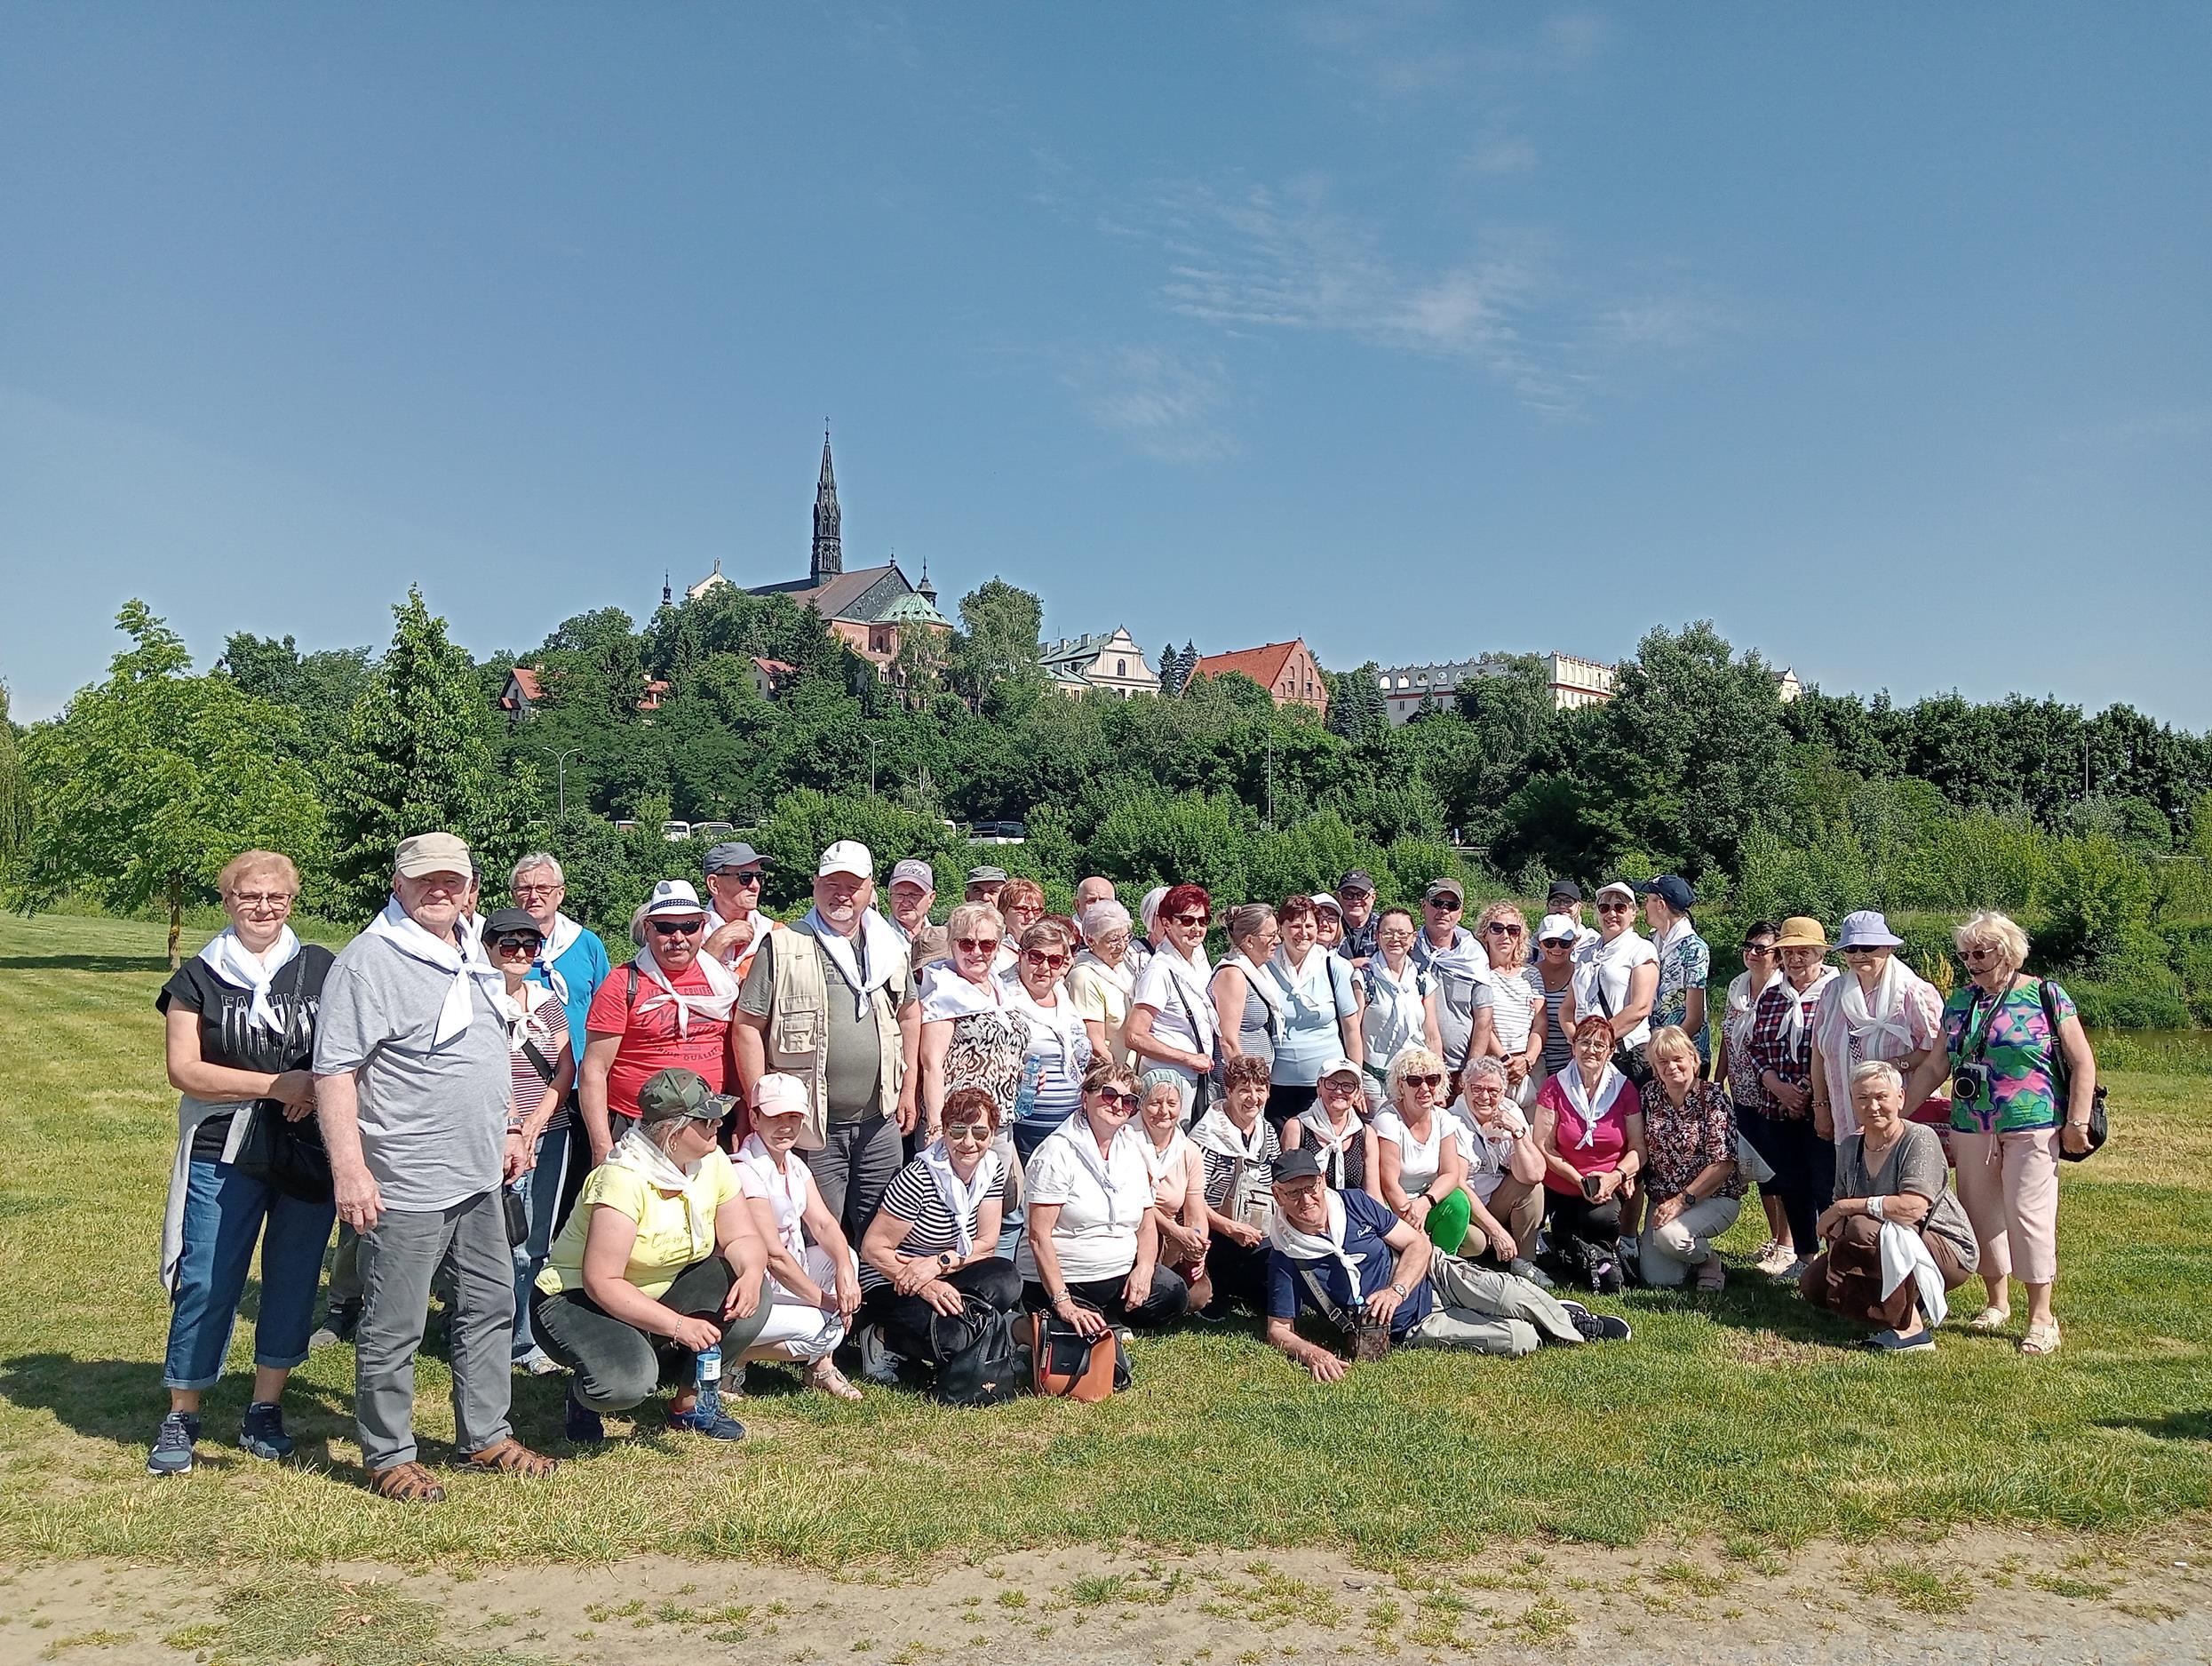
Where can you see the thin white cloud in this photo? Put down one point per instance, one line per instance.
(1504, 154)
(1164, 404)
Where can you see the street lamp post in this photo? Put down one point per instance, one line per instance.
(560, 775)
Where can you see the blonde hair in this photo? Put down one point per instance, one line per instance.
(1669, 1040)
(258, 862)
(1997, 929)
(1409, 1060)
(962, 921)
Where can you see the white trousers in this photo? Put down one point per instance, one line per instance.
(798, 1329)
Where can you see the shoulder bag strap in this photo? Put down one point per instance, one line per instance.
(2059, 1074)
(1324, 1301)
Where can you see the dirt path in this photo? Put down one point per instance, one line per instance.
(1976, 1596)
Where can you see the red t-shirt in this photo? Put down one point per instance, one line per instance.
(649, 1040)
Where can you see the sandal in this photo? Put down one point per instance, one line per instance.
(1990, 1319)
(2040, 1340)
(512, 1457)
(1711, 1276)
(825, 1375)
(406, 1483)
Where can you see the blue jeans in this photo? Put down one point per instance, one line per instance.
(226, 1212)
(545, 1194)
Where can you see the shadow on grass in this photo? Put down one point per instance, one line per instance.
(84, 963)
(2173, 1426)
(123, 1401)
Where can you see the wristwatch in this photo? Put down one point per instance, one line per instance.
(1399, 1291)
(946, 1258)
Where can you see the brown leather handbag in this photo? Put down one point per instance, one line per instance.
(1064, 1363)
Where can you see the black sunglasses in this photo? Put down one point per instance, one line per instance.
(677, 927)
(507, 940)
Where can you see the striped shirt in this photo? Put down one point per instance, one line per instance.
(913, 1196)
(1220, 1171)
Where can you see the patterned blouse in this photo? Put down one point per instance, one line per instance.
(1773, 1048)
(1680, 1146)
(2019, 1048)
(1685, 963)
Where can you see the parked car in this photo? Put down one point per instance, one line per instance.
(675, 832)
(715, 830)
(998, 833)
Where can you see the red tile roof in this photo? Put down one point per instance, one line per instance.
(1262, 664)
(526, 680)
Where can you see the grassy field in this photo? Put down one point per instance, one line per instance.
(1743, 1416)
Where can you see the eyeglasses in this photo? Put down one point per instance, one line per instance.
(262, 899)
(1114, 1096)
(1974, 956)
(677, 927)
(971, 946)
(1396, 934)
(1558, 942)
(979, 1132)
(1422, 1081)
(1037, 957)
(1862, 948)
(1499, 928)
(1758, 949)
(1340, 1086)
(1189, 920)
(539, 890)
(744, 876)
(508, 942)
(1444, 904)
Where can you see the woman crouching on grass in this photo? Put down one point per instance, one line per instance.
(240, 1017)
(658, 1261)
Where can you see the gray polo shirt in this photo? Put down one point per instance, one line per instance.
(1458, 1000)
(434, 1119)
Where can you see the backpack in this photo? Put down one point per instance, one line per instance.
(986, 1370)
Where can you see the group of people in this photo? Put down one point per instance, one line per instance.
(858, 1140)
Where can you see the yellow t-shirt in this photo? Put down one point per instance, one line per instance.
(675, 1229)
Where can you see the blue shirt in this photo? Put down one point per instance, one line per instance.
(1367, 1224)
(584, 967)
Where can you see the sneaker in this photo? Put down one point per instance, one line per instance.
(262, 1432)
(1889, 1341)
(877, 1363)
(1575, 1309)
(339, 1325)
(584, 1426)
(1601, 1327)
(1792, 1273)
(172, 1446)
(538, 1362)
(1526, 1269)
(706, 1417)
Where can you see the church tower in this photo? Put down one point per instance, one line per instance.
(829, 554)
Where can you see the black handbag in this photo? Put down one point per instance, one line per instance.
(1630, 1061)
(987, 1369)
(284, 1154)
(2099, 1128)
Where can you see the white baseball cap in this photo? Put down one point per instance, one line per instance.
(848, 855)
(777, 1095)
(1558, 929)
(673, 896)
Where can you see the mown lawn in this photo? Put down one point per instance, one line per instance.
(1743, 1416)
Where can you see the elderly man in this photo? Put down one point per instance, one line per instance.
(1355, 901)
(1345, 1257)
(830, 1001)
(573, 962)
(735, 923)
(985, 884)
(668, 1009)
(1459, 965)
(412, 1088)
(1096, 889)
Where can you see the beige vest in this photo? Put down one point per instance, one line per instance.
(798, 1037)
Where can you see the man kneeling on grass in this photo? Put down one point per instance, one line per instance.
(1381, 1282)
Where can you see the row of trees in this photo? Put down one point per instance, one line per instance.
(136, 793)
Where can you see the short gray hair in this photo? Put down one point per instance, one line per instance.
(1995, 930)
(1486, 1065)
(1102, 917)
(536, 859)
(1879, 1070)
(963, 921)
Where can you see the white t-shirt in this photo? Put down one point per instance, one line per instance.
(1489, 1152)
(1096, 1235)
(1418, 1160)
(1614, 962)
(1176, 1012)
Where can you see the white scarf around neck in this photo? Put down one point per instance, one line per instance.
(555, 943)
(1610, 1087)
(1800, 1001)
(1217, 1134)
(714, 1005)
(946, 994)
(467, 965)
(1330, 1143)
(642, 1155)
(1077, 1132)
(1262, 982)
(786, 1188)
(229, 958)
(1303, 1245)
(961, 1198)
(1190, 978)
(1061, 1020)
(1158, 1163)
(1869, 1022)
(876, 942)
(1123, 977)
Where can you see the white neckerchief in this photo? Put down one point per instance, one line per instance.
(1190, 978)
(1304, 1246)
(396, 928)
(644, 1157)
(1331, 1145)
(1123, 977)
(786, 1189)
(231, 961)
(1269, 991)
(714, 1005)
(1158, 1163)
(524, 1018)
(1076, 1131)
(1610, 1087)
(1397, 1007)
(1061, 1020)
(1313, 983)
(882, 953)
(1217, 1134)
(1469, 961)
(1681, 928)
(555, 943)
(1794, 1029)
(946, 994)
(1867, 1022)
(1743, 1005)
(961, 1198)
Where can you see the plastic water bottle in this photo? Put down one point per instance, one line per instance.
(708, 1371)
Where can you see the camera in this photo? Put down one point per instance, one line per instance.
(1969, 1085)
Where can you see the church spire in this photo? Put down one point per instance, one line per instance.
(829, 554)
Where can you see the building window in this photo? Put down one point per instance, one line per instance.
(1121, 667)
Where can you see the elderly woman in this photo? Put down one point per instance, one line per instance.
(1172, 1021)
(814, 1277)
(1690, 1148)
(1733, 1066)
(657, 1263)
(970, 1035)
(1685, 960)
(1400, 1007)
(1557, 936)
(1328, 922)
(1246, 993)
(1504, 1171)
(931, 1255)
(1417, 1143)
(1517, 1004)
(1781, 1054)
(1897, 1240)
(1334, 1129)
(1090, 1252)
(541, 1071)
(1177, 1170)
(1880, 1008)
(2022, 1084)
(1103, 978)
(1238, 1146)
(1618, 978)
(1321, 1015)
(1589, 1131)
(1058, 1049)
(240, 1020)
(1022, 905)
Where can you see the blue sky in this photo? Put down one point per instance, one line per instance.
(1878, 334)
